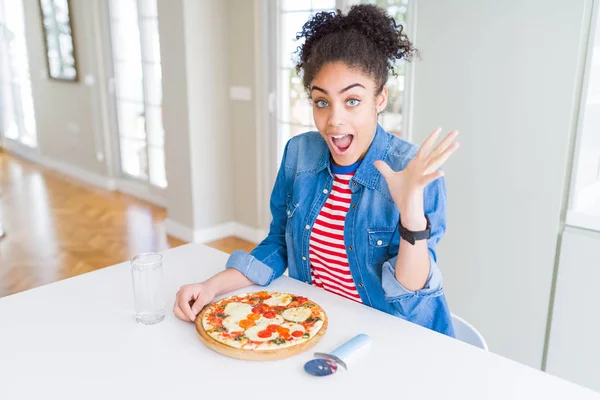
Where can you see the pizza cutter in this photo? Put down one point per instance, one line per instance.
(327, 363)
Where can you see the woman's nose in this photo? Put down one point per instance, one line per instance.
(336, 116)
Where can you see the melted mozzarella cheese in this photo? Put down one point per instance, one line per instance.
(277, 320)
(298, 314)
(232, 325)
(236, 312)
(280, 299)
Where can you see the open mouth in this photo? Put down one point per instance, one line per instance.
(341, 143)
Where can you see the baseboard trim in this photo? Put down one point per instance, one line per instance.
(248, 233)
(80, 174)
(179, 231)
(140, 191)
(216, 232)
(130, 188)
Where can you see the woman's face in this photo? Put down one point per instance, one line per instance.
(345, 110)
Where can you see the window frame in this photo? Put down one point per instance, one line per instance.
(574, 218)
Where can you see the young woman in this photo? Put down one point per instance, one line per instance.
(356, 211)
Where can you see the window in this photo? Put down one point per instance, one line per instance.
(16, 99)
(585, 191)
(60, 51)
(294, 111)
(138, 84)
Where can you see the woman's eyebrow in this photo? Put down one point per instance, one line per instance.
(319, 89)
(341, 91)
(351, 86)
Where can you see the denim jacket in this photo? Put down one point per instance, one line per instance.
(371, 230)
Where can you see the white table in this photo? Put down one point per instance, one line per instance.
(77, 339)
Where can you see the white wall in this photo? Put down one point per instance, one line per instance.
(212, 141)
(195, 55)
(207, 55)
(176, 116)
(506, 74)
(242, 73)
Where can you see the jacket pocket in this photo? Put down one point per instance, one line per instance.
(379, 241)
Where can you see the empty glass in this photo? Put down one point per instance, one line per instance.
(148, 288)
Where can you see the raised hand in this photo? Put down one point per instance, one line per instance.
(406, 186)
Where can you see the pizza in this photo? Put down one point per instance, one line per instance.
(261, 322)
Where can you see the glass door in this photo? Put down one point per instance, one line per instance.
(16, 100)
(138, 90)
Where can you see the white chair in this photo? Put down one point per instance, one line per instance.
(465, 332)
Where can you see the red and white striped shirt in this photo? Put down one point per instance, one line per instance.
(328, 259)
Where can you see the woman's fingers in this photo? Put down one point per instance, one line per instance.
(424, 168)
(186, 295)
(428, 143)
(199, 304)
(438, 161)
(443, 145)
(187, 309)
(178, 313)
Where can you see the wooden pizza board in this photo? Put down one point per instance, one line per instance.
(257, 355)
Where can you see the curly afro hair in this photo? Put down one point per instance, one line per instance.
(367, 38)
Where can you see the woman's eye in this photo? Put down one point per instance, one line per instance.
(353, 102)
(321, 103)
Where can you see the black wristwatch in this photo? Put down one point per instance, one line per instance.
(410, 236)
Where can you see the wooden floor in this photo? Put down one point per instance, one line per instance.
(57, 227)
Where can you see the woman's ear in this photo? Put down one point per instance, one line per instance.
(381, 100)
